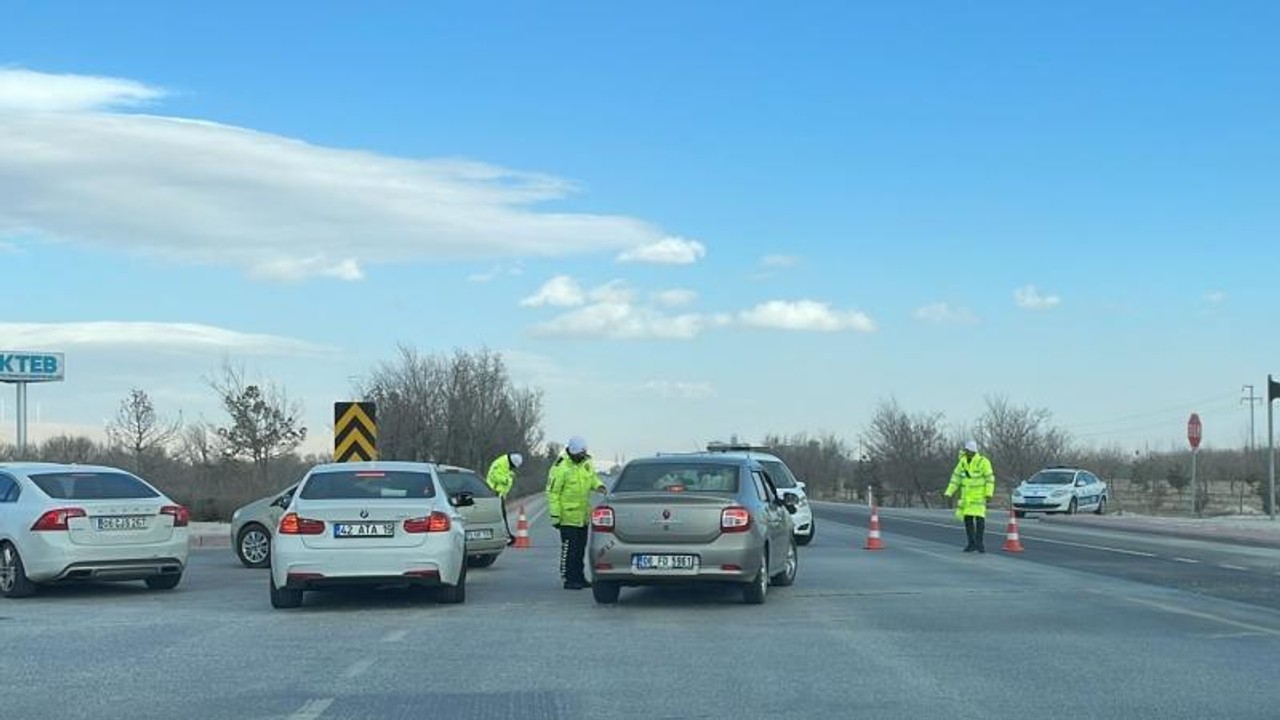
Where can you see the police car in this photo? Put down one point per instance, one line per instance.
(1061, 489)
(783, 479)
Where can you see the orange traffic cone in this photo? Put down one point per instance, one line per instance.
(873, 537)
(522, 532)
(1012, 543)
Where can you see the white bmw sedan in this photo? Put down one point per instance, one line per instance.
(67, 523)
(378, 524)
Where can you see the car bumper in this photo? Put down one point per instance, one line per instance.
(493, 545)
(1046, 505)
(296, 567)
(727, 560)
(49, 559)
(803, 521)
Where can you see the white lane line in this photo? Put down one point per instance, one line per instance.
(1188, 561)
(359, 668)
(1225, 566)
(1205, 616)
(395, 636)
(312, 710)
(1122, 551)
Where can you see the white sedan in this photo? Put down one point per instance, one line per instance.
(373, 524)
(67, 523)
(1061, 490)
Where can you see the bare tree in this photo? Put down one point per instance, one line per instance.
(70, 449)
(825, 464)
(264, 423)
(908, 452)
(1019, 440)
(138, 430)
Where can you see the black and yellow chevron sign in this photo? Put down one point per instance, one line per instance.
(355, 431)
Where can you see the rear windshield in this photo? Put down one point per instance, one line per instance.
(368, 485)
(679, 477)
(456, 481)
(92, 486)
(779, 474)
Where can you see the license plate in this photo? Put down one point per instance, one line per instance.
(364, 530)
(1033, 501)
(479, 534)
(122, 523)
(664, 563)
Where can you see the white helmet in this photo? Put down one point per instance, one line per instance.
(577, 445)
(971, 446)
(516, 459)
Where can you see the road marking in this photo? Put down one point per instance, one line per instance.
(312, 710)
(395, 636)
(1189, 561)
(1225, 566)
(1205, 616)
(359, 668)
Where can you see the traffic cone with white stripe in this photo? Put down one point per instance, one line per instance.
(1012, 543)
(522, 532)
(873, 537)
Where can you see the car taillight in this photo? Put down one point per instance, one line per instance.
(602, 519)
(735, 519)
(57, 519)
(433, 523)
(292, 524)
(181, 517)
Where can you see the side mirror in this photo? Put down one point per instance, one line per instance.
(790, 501)
(801, 485)
(462, 499)
(1080, 483)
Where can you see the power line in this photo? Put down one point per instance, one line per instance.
(1182, 407)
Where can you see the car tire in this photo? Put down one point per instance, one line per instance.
(284, 598)
(1072, 507)
(454, 594)
(806, 539)
(757, 590)
(481, 561)
(606, 593)
(13, 576)
(164, 582)
(787, 577)
(1102, 506)
(258, 538)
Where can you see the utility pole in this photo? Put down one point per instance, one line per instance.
(1253, 401)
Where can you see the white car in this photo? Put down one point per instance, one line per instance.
(784, 480)
(1061, 490)
(370, 523)
(68, 523)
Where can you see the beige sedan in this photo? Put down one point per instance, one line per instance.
(486, 531)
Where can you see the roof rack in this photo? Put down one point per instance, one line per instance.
(736, 447)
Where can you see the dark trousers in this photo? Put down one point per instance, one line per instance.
(505, 522)
(573, 548)
(975, 527)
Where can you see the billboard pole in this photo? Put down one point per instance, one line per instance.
(1271, 448)
(21, 417)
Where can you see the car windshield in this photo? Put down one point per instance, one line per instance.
(457, 481)
(92, 486)
(679, 477)
(368, 485)
(780, 474)
(1052, 477)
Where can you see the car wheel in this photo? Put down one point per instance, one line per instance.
(1072, 507)
(253, 546)
(481, 561)
(284, 598)
(13, 576)
(454, 594)
(606, 593)
(164, 582)
(806, 539)
(788, 576)
(755, 592)
(1102, 506)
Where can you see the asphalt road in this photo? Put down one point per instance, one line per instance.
(918, 630)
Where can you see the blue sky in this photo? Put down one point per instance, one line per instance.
(680, 221)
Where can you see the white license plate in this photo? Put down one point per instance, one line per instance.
(364, 530)
(479, 534)
(664, 563)
(122, 523)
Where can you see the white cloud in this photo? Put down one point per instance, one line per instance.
(806, 315)
(54, 337)
(614, 291)
(943, 314)
(679, 389)
(1029, 298)
(667, 251)
(779, 261)
(494, 273)
(559, 291)
(26, 90)
(675, 297)
(1215, 297)
(622, 321)
(277, 207)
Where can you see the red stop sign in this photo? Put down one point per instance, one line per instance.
(1194, 430)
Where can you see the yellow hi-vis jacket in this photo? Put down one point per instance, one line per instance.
(976, 482)
(569, 488)
(501, 477)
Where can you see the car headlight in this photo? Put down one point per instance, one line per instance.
(1017, 492)
(1062, 492)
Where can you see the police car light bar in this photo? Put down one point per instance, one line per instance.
(735, 447)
